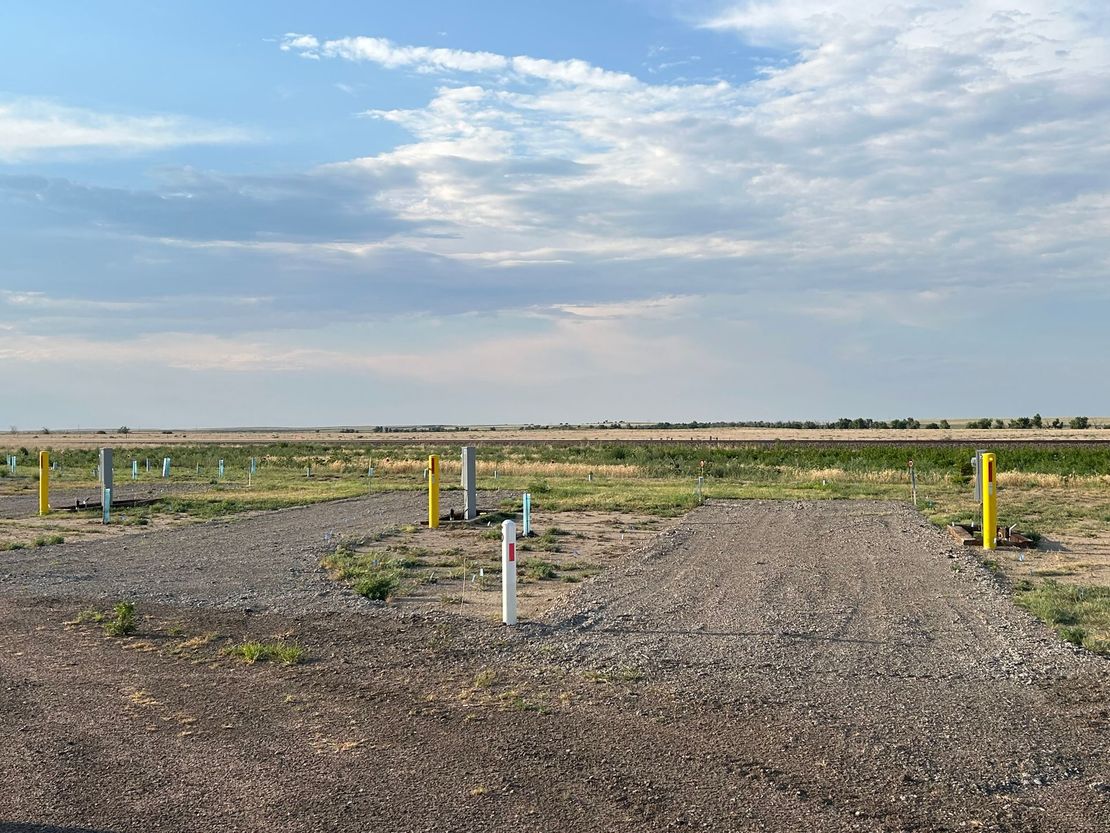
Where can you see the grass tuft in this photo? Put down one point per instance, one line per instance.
(122, 621)
(287, 653)
(1081, 615)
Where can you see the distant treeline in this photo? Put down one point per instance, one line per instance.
(1035, 421)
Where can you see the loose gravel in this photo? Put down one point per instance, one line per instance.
(765, 666)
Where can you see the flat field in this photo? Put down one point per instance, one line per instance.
(500, 434)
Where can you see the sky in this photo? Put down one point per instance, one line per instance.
(280, 213)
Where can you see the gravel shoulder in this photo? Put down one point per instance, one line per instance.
(764, 666)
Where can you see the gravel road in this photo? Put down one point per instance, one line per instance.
(780, 667)
(267, 561)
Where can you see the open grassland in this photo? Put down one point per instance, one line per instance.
(1060, 494)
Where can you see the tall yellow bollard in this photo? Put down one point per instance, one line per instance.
(990, 498)
(433, 491)
(44, 483)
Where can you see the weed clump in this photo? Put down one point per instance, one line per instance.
(287, 653)
(539, 569)
(379, 585)
(1081, 615)
(122, 621)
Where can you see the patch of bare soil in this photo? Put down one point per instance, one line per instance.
(1079, 559)
(758, 666)
(458, 566)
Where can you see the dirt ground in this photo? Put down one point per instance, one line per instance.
(758, 666)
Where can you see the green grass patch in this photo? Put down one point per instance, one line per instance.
(539, 569)
(122, 621)
(1079, 614)
(287, 653)
(378, 586)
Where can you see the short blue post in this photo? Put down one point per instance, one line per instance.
(254, 465)
(106, 501)
(134, 469)
(221, 468)
(165, 467)
(527, 531)
(148, 465)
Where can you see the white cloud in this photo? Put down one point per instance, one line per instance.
(32, 127)
(565, 342)
(385, 53)
(903, 144)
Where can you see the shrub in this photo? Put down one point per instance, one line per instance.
(122, 622)
(378, 586)
(539, 569)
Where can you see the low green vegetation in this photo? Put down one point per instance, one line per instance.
(1080, 615)
(375, 574)
(121, 622)
(286, 653)
(539, 569)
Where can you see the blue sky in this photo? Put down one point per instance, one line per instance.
(273, 213)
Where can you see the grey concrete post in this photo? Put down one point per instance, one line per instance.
(105, 468)
(470, 483)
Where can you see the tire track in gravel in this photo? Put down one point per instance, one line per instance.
(867, 661)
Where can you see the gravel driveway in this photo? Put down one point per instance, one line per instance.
(264, 561)
(767, 666)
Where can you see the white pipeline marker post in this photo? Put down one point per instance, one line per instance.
(527, 530)
(508, 573)
(913, 482)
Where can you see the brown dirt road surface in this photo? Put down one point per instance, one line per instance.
(765, 666)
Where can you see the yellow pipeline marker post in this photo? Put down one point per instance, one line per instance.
(990, 501)
(44, 483)
(433, 491)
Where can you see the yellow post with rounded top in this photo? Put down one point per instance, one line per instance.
(990, 505)
(433, 491)
(44, 483)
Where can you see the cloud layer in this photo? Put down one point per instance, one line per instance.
(893, 169)
(31, 128)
